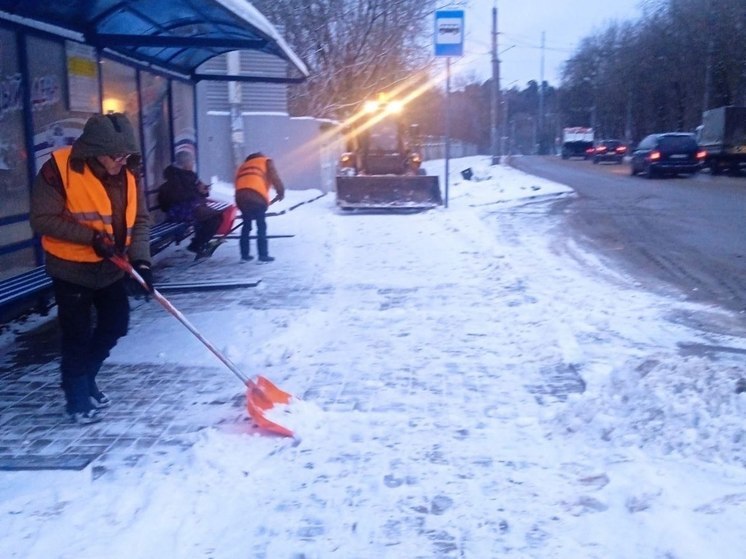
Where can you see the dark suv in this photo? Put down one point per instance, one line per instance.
(669, 153)
(609, 150)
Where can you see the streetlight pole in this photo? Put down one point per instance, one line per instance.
(591, 81)
(495, 98)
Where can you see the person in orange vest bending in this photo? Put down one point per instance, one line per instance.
(256, 175)
(88, 206)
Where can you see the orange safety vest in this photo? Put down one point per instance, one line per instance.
(88, 203)
(253, 174)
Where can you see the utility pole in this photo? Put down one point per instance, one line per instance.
(541, 98)
(710, 55)
(708, 74)
(238, 147)
(495, 98)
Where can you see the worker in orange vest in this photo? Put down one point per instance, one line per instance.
(87, 205)
(254, 178)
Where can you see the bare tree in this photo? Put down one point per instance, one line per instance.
(354, 48)
(661, 72)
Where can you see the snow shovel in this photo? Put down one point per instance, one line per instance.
(261, 394)
(221, 237)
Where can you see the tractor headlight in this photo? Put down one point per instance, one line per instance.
(395, 107)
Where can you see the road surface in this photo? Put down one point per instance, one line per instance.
(689, 232)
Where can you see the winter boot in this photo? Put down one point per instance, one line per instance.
(86, 417)
(212, 246)
(98, 399)
(245, 246)
(263, 248)
(79, 408)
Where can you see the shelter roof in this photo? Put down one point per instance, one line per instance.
(176, 35)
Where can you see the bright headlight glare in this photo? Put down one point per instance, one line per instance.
(395, 106)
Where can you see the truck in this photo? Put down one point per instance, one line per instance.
(722, 135)
(381, 168)
(576, 141)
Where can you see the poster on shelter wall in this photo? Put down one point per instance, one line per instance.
(82, 78)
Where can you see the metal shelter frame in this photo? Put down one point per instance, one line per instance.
(176, 36)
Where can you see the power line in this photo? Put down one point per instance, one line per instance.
(523, 43)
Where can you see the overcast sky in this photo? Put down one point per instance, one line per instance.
(521, 23)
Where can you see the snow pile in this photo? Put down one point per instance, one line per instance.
(687, 407)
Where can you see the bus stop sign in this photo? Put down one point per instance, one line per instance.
(449, 33)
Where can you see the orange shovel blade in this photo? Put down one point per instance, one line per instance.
(261, 396)
(271, 391)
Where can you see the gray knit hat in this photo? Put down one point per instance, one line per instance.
(110, 134)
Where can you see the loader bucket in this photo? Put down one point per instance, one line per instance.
(388, 192)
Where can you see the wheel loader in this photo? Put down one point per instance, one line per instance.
(381, 169)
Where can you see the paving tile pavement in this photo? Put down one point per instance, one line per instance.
(154, 403)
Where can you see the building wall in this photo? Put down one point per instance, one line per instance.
(305, 150)
(239, 118)
(263, 97)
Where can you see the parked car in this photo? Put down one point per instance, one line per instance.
(669, 153)
(609, 150)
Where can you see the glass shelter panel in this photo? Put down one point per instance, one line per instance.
(119, 84)
(156, 143)
(16, 238)
(14, 187)
(54, 125)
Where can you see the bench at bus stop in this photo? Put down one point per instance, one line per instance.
(32, 290)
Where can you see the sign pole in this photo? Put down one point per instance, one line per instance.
(449, 41)
(448, 123)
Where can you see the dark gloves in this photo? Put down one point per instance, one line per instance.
(203, 189)
(143, 268)
(103, 245)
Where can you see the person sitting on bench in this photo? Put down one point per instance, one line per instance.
(184, 199)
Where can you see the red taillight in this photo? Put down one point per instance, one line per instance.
(589, 151)
(621, 149)
(701, 155)
(654, 155)
(601, 149)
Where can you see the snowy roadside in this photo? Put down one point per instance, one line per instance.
(475, 385)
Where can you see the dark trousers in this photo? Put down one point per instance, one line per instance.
(91, 322)
(252, 210)
(206, 223)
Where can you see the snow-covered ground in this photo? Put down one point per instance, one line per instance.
(475, 384)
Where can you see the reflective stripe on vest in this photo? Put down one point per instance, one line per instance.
(87, 202)
(253, 174)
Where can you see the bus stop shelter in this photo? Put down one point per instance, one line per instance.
(62, 62)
